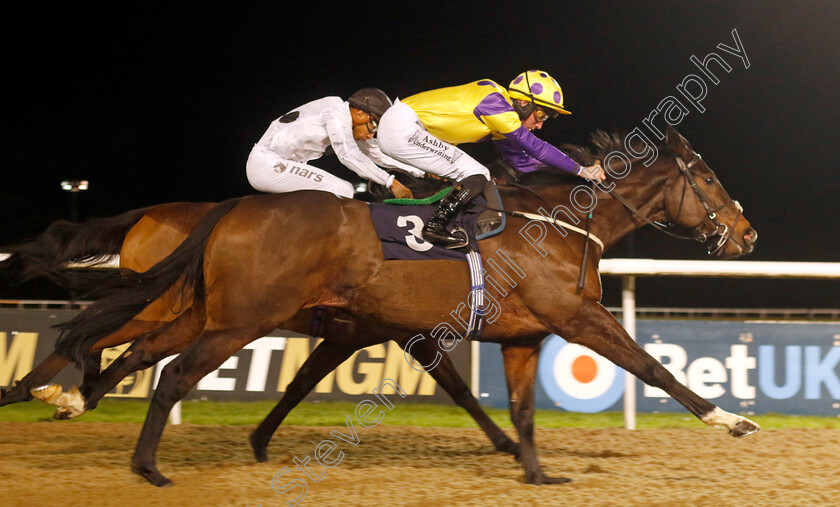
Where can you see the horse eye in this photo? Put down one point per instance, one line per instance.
(710, 180)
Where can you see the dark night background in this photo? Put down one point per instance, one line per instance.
(164, 105)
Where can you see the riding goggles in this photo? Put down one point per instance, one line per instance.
(372, 125)
(543, 114)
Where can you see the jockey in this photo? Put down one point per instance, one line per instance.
(279, 161)
(424, 129)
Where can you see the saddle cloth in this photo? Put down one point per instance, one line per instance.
(400, 231)
(399, 228)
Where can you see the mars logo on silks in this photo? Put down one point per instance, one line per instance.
(577, 379)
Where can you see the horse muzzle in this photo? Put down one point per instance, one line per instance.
(723, 235)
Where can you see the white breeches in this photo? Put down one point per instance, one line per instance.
(402, 136)
(269, 172)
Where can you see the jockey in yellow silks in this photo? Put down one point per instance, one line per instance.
(423, 130)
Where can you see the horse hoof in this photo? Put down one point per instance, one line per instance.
(509, 447)
(544, 479)
(260, 450)
(66, 413)
(261, 455)
(47, 393)
(62, 414)
(556, 480)
(743, 428)
(151, 475)
(15, 394)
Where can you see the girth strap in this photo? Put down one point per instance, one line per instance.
(476, 297)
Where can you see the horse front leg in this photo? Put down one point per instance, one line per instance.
(521, 371)
(595, 328)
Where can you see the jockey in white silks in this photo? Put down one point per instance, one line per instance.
(279, 162)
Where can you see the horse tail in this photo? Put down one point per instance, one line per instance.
(63, 242)
(120, 298)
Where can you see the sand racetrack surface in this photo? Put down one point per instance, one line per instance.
(88, 464)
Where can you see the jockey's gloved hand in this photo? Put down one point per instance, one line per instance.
(595, 173)
(400, 191)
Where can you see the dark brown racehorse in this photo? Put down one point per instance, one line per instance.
(257, 262)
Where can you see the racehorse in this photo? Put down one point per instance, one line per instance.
(256, 262)
(142, 238)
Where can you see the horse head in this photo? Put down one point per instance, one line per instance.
(696, 200)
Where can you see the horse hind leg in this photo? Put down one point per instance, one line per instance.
(40, 376)
(445, 374)
(521, 372)
(70, 403)
(203, 356)
(595, 328)
(147, 349)
(324, 359)
(92, 368)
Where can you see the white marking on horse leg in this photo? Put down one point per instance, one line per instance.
(738, 426)
(71, 401)
(47, 393)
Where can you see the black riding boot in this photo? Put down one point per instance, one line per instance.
(435, 229)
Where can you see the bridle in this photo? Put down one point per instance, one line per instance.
(716, 239)
(721, 233)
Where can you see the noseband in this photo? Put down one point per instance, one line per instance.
(722, 232)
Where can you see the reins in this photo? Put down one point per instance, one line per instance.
(721, 229)
(662, 227)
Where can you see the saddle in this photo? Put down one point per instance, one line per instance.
(491, 217)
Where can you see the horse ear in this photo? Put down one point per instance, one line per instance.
(677, 142)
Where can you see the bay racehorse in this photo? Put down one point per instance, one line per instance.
(142, 238)
(256, 262)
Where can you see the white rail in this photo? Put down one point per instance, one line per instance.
(662, 267)
(728, 269)
(111, 261)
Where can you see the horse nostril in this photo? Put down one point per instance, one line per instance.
(751, 236)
